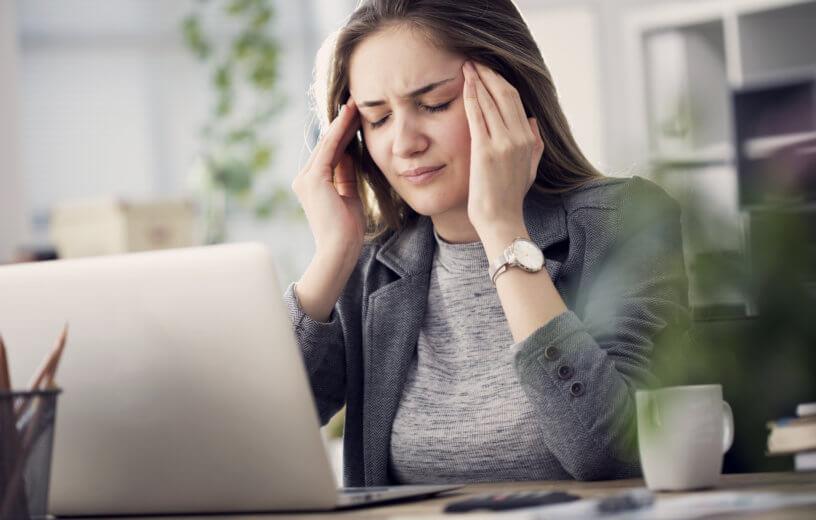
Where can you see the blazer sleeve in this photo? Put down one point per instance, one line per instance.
(323, 350)
(580, 373)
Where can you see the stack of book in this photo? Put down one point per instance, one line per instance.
(796, 436)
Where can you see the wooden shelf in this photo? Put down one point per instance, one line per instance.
(764, 147)
(712, 155)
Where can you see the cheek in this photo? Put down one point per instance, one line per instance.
(454, 133)
(378, 149)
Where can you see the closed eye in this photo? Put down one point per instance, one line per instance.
(436, 108)
(375, 124)
(426, 108)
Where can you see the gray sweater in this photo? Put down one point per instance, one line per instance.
(463, 416)
(614, 251)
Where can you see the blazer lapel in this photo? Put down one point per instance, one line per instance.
(392, 338)
(393, 320)
(546, 221)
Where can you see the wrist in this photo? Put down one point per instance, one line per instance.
(339, 253)
(499, 234)
(322, 282)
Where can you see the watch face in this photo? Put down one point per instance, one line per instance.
(528, 255)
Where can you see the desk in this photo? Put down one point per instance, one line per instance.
(775, 482)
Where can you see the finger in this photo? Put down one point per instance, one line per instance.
(473, 112)
(345, 178)
(506, 97)
(495, 124)
(348, 133)
(341, 129)
(533, 122)
(538, 148)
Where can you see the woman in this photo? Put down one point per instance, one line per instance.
(456, 362)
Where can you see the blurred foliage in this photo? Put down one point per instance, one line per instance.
(236, 151)
(764, 357)
(335, 426)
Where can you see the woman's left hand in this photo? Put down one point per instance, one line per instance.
(505, 149)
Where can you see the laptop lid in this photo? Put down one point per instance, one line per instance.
(184, 389)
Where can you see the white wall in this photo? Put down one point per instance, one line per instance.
(112, 104)
(568, 39)
(12, 210)
(111, 101)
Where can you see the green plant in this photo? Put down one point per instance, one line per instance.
(236, 149)
(764, 359)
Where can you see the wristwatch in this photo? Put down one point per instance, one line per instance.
(521, 253)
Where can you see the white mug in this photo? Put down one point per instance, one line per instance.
(683, 433)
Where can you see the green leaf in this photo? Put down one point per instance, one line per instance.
(261, 18)
(235, 177)
(280, 202)
(223, 77)
(261, 158)
(247, 44)
(238, 6)
(264, 208)
(194, 38)
(264, 76)
(242, 134)
(224, 106)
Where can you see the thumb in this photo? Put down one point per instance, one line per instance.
(345, 177)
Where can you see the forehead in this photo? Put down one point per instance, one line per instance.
(395, 61)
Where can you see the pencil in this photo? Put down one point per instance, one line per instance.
(46, 372)
(51, 362)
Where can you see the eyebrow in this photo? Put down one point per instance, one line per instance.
(414, 93)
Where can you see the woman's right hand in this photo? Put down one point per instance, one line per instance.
(327, 189)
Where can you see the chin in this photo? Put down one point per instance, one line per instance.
(436, 198)
(430, 208)
(427, 211)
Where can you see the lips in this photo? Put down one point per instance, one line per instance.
(422, 175)
(420, 171)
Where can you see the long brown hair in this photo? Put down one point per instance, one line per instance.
(491, 32)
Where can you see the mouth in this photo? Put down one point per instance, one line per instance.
(421, 175)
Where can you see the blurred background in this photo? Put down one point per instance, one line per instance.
(130, 125)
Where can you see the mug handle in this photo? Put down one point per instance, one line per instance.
(728, 427)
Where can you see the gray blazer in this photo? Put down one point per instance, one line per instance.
(614, 252)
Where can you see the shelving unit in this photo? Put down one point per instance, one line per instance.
(688, 106)
(775, 41)
(774, 123)
(719, 87)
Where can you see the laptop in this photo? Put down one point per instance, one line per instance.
(184, 390)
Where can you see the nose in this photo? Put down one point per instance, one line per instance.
(409, 139)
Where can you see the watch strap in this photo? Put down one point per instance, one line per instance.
(503, 262)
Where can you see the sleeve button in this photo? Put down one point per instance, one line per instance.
(565, 372)
(552, 353)
(577, 388)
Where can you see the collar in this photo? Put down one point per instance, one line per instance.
(410, 252)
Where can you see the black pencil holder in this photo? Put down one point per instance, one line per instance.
(26, 443)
